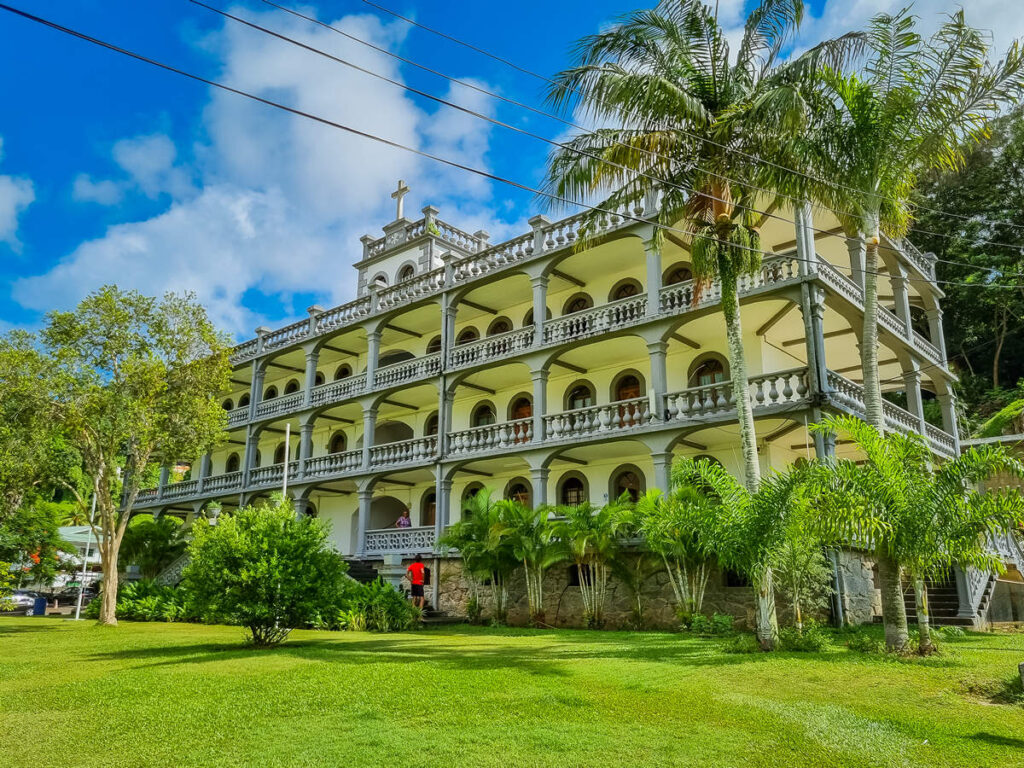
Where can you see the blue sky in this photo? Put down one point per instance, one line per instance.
(112, 171)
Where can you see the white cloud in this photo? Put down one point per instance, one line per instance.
(104, 192)
(16, 194)
(274, 203)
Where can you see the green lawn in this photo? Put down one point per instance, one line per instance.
(183, 695)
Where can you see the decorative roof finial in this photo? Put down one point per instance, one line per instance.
(397, 195)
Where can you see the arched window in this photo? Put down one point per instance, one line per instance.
(677, 273)
(342, 372)
(518, 490)
(627, 387)
(380, 281)
(233, 463)
(577, 303)
(711, 370)
(243, 400)
(521, 408)
(467, 335)
(430, 427)
(470, 491)
(483, 415)
(228, 405)
(259, 459)
(434, 345)
(279, 455)
(624, 289)
(338, 443)
(291, 386)
(579, 395)
(428, 509)
(628, 480)
(270, 394)
(318, 379)
(499, 325)
(572, 490)
(408, 272)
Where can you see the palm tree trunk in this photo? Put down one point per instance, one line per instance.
(924, 643)
(894, 610)
(869, 337)
(740, 383)
(767, 622)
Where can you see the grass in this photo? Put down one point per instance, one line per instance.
(74, 694)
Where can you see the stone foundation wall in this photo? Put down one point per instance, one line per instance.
(563, 606)
(861, 600)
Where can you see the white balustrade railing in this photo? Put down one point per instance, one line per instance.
(147, 494)
(225, 482)
(408, 291)
(889, 321)
(343, 315)
(238, 416)
(941, 440)
(490, 437)
(274, 473)
(590, 322)
(491, 348)
(408, 370)
(495, 258)
(914, 254)
(614, 417)
(927, 347)
(400, 540)
(180, 489)
(338, 390)
(403, 452)
(333, 463)
(840, 282)
(766, 390)
(282, 404)
(287, 335)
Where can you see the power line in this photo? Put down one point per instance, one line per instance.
(727, 148)
(421, 153)
(489, 119)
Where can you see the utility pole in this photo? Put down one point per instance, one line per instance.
(85, 560)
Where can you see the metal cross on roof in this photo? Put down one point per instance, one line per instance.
(397, 195)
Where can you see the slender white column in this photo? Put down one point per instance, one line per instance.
(312, 360)
(657, 351)
(653, 258)
(540, 307)
(369, 431)
(372, 356)
(539, 479)
(912, 386)
(812, 308)
(949, 421)
(935, 330)
(803, 224)
(898, 278)
(856, 247)
(365, 501)
(663, 471)
(259, 370)
(540, 403)
(305, 445)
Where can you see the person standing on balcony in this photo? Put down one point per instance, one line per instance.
(404, 521)
(415, 573)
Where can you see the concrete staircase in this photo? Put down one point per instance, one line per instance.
(432, 618)
(362, 570)
(943, 604)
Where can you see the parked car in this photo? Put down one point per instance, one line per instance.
(22, 598)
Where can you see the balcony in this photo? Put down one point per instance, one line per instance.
(404, 541)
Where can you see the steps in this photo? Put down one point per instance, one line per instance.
(361, 570)
(943, 604)
(433, 618)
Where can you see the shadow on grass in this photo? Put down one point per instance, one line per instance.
(996, 739)
(456, 650)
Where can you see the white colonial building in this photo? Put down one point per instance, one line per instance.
(555, 373)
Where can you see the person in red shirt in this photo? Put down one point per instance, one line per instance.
(415, 573)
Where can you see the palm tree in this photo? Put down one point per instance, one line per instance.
(915, 105)
(481, 538)
(152, 543)
(665, 84)
(919, 522)
(679, 528)
(531, 536)
(593, 539)
(746, 529)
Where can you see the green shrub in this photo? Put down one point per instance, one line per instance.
(862, 642)
(145, 600)
(718, 624)
(700, 624)
(722, 624)
(266, 570)
(742, 643)
(376, 606)
(813, 639)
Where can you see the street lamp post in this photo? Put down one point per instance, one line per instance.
(85, 560)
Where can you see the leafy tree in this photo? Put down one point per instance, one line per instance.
(531, 536)
(918, 521)
(264, 569)
(593, 538)
(152, 543)
(988, 192)
(634, 567)
(30, 539)
(679, 529)
(675, 106)
(915, 105)
(802, 571)
(747, 529)
(133, 381)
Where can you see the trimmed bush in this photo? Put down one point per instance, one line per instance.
(376, 606)
(862, 642)
(813, 639)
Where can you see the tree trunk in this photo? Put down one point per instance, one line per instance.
(767, 622)
(869, 338)
(1001, 338)
(894, 611)
(924, 645)
(108, 595)
(740, 384)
